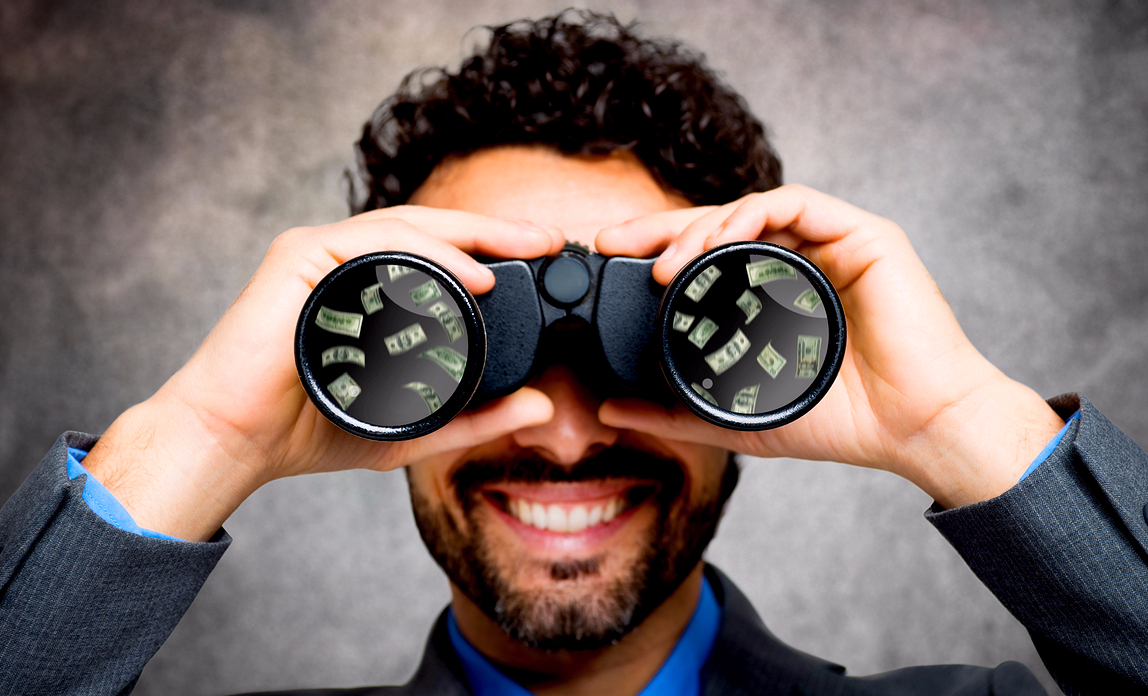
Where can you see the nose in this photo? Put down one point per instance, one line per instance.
(574, 433)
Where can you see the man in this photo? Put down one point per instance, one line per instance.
(573, 129)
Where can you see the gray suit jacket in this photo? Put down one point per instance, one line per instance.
(746, 660)
(83, 605)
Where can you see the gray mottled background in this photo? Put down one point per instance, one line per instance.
(150, 151)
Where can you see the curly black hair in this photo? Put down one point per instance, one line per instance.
(583, 83)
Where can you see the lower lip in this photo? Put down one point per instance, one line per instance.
(556, 542)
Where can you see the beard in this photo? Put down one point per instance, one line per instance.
(587, 603)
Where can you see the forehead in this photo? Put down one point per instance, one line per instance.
(577, 194)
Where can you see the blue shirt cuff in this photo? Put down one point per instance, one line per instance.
(1049, 447)
(103, 503)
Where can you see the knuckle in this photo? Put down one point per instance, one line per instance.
(395, 226)
(290, 240)
(797, 189)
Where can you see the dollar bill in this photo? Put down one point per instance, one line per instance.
(394, 272)
(346, 323)
(745, 400)
(402, 341)
(344, 390)
(421, 294)
(750, 304)
(808, 300)
(450, 323)
(427, 392)
(702, 333)
(762, 272)
(682, 322)
(725, 357)
(448, 359)
(808, 356)
(344, 354)
(372, 297)
(704, 393)
(770, 360)
(701, 285)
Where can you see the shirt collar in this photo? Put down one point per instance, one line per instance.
(680, 674)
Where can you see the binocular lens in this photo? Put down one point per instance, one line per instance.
(752, 335)
(390, 346)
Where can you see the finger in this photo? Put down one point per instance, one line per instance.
(311, 253)
(648, 235)
(678, 424)
(476, 234)
(691, 242)
(524, 408)
(841, 239)
(674, 423)
(808, 214)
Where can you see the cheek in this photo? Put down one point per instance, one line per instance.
(705, 468)
(428, 481)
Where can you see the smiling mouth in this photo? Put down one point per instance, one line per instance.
(568, 517)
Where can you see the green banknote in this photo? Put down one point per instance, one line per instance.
(770, 360)
(727, 356)
(702, 333)
(427, 392)
(405, 339)
(346, 323)
(448, 359)
(344, 354)
(808, 356)
(701, 285)
(344, 390)
(372, 297)
(767, 271)
(808, 301)
(745, 400)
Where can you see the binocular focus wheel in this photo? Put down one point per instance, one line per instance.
(390, 346)
(752, 335)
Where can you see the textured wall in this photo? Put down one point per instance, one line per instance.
(149, 152)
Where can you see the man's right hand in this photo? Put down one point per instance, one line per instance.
(236, 416)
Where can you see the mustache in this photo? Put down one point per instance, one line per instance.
(612, 462)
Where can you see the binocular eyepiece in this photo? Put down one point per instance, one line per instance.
(748, 336)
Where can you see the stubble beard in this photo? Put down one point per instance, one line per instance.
(580, 608)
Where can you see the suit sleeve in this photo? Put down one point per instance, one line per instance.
(1066, 551)
(84, 605)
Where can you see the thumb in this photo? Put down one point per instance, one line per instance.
(521, 409)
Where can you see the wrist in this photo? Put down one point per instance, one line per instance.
(169, 471)
(980, 447)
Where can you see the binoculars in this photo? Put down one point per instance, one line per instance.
(748, 336)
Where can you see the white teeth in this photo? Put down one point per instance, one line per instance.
(577, 520)
(556, 518)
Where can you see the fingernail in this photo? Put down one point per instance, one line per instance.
(669, 252)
